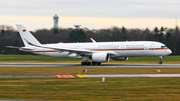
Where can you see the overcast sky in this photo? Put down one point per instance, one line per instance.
(21, 11)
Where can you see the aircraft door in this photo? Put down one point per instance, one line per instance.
(122, 47)
(44, 50)
(152, 46)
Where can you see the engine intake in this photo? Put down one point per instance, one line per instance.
(100, 57)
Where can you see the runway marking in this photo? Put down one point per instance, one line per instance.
(65, 76)
(82, 76)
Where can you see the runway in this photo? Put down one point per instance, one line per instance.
(59, 65)
(89, 76)
(52, 65)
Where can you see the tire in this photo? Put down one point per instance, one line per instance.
(99, 63)
(94, 63)
(88, 63)
(160, 62)
(82, 63)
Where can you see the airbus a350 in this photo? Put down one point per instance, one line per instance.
(98, 52)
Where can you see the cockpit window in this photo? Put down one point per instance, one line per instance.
(163, 47)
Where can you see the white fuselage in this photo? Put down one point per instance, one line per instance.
(118, 49)
(97, 51)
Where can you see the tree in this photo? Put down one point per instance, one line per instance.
(55, 31)
(116, 34)
(124, 36)
(77, 36)
(161, 35)
(168, 40)
(148, 34)
(156, 34)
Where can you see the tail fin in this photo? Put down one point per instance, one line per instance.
(25, 34)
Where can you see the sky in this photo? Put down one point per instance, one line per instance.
(92, 14)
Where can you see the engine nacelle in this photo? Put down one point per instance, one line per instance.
(120, 58)
(100, 57)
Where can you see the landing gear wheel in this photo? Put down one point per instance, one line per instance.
(160, 58)
(88, 63)
(82, 63)
(94, 63)
(99, 63)
(85, 63)
(160, 62)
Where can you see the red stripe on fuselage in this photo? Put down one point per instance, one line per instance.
(107, 50)
(43, 51)
(131, 49)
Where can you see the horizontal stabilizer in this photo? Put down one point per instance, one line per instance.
(27, 49)
(13, 47)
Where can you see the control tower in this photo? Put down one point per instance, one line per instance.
(56, 21)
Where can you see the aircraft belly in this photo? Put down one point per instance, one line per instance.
(151, 53)
(130, 53)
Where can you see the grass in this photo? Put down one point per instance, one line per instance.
(44, 59)
(89, 89)
(66, 71)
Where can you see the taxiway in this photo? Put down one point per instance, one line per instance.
(90, 76)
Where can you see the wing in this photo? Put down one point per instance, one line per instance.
(77, 51)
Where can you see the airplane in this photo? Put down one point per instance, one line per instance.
(98, 52)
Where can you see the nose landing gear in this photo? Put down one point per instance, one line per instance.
(160, 57)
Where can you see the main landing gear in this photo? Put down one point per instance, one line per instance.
(89, 63)
(160, 58)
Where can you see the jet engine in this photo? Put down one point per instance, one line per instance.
(120, 58)
(100, 57)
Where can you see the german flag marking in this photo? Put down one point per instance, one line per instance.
(24, 30)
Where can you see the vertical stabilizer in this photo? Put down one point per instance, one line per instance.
(25, 34)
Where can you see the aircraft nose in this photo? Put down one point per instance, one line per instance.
(169, 51)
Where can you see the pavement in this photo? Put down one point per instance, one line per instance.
(90, 76)
(59, 65)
